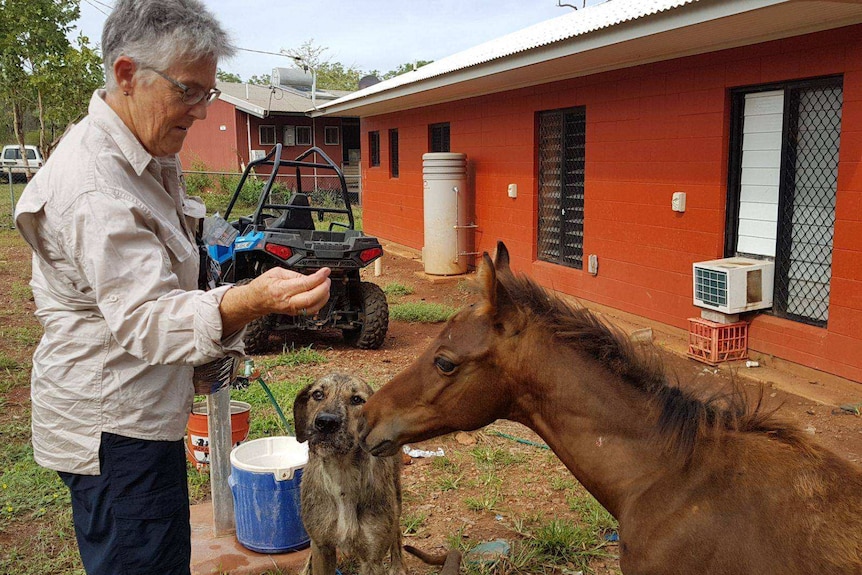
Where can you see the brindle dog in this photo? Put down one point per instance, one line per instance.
(350, 500)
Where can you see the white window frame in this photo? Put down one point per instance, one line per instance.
(331, 141)
(303, 135)
(260, 131)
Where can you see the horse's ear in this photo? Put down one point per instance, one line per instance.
(501, 258)
(488, 280)
(300, 414)
(498, 302)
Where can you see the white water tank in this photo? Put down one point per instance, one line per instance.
(447, 204)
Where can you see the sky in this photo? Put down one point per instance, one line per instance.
(368, 34)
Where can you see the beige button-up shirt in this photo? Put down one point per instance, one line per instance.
(115, 271)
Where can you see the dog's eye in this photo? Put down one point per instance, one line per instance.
(317, 395)
(357, 400)
(444, 365)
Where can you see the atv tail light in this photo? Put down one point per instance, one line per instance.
(282, 252)
(370, 254)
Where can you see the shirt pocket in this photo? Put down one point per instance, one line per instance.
(179, 247)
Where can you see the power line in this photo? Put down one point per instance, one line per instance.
(90, 2)
(297, 58)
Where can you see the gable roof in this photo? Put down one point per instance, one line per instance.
(263, 101)
(612, 35)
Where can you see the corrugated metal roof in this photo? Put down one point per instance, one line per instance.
(570, 25)
(264, 100)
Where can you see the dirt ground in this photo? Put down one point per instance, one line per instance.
(466, 497)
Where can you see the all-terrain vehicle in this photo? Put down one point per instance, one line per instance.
(282, 233)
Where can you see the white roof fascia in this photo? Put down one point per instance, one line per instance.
(244, 105)
(698, 12)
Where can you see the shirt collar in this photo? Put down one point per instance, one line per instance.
(105, 117)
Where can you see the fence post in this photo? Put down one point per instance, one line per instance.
(11, 197)
(219, 431)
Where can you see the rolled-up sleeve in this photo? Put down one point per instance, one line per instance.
(128, 264)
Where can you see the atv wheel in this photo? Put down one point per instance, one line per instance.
(257, 335)
(257, 331)
(375, 318)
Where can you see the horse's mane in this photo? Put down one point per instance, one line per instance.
(684, 418)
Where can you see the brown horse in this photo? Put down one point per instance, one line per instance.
(699, 486)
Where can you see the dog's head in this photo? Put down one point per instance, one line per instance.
(327, 412)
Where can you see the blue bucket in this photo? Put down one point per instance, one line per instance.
(265, 477)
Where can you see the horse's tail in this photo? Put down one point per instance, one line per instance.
(450, 561)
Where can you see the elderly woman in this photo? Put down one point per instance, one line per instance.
(115, 276)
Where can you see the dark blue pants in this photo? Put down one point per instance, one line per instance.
(133, 519)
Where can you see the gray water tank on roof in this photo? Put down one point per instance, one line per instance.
(291, 77)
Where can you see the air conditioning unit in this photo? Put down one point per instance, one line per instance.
(733, 285)
(257, 155)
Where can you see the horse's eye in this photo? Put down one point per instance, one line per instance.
(357, 400)
(317, 395)
(444, 365)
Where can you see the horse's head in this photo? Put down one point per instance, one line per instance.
(458, 383)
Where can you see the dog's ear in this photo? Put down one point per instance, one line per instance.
(300, 413)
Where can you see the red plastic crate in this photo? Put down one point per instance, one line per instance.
(712, 342)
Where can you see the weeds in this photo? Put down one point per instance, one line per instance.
(412, 522)
(294, 357)
(420, 312)
(397, 289)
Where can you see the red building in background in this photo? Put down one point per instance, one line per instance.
(248, 120)
(751, 108)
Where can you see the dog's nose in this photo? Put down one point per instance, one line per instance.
(327, 422)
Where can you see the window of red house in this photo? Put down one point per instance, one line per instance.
(331, 135)
(374, 148)
(393, 153)
(303, 135)
(267, 135)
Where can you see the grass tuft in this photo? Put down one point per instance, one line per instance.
(421, 312)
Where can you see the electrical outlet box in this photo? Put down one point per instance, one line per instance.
(513, 190)
(678, 202)
(593, 264)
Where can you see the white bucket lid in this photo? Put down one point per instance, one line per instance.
(281, 456)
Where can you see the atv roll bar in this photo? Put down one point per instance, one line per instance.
(273, 158)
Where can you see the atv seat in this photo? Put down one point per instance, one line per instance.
(295, 219)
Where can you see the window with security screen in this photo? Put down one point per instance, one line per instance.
(783, 185)
(393, 153)
(562, 148)
(374, 148)
(438, 134)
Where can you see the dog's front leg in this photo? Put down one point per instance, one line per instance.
(321, 561)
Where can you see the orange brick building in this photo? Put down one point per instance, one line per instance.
(753, 109)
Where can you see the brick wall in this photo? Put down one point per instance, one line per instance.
(651, 131)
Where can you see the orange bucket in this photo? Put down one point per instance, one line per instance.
(197, 430)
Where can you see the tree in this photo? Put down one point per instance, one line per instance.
(40, 69)
(223, 76)
(262, 80)
(330, 75)
(404, 68)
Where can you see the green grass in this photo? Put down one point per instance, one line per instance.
(397, 289)
(420, 312)
(486, 502)
(495, 457)
(295, 357)
(412, 522)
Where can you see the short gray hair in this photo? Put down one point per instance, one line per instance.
(157, 34)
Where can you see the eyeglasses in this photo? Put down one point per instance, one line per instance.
(192, 96)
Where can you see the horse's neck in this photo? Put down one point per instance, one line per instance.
(600, 427)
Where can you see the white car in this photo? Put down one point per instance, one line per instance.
(11, 160)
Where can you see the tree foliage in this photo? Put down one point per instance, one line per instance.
(404, 68)
(330, 75)
(41, 71)
(223, 76)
